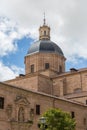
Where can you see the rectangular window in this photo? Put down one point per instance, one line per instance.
(1, 103)
(72, 114)
(60, 68)
(64, 86)
(32, 68)
(86, 102)
(46, 65)
(84, 121)
(37, 109)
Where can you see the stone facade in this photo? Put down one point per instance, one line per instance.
(20, 108)
(45, 85)
(40, 59)
(71, 82)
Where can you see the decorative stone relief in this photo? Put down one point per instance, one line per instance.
(21, 100)
(22, 106)
(21, 114)
(31, 114)
(9, 111)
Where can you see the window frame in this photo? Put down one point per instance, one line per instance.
(37, 109)
(72, 114)
(44, 32)
(60, 69)
(32, 68)
(47, 65)
(84, 121)
(1, 102)
(86, 101)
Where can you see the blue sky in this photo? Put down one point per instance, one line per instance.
(17, 58)
(19, 29)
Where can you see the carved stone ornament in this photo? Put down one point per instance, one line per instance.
(31, 114)
(9, 110)
(21, 100)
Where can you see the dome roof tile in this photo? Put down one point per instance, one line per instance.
(45, 46)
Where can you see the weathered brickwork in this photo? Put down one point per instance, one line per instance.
(45, 85)
(35, 82)
(16, 98)
(70, 86)
(28, 82)
(69, 83)
(39, 60)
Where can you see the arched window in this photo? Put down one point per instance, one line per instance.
(45, 33)
(21, 114)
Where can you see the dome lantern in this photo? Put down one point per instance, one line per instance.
(44, 31)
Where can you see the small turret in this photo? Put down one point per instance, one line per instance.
(44, 31)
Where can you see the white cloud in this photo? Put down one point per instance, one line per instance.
(17, 70)
(7, 73)
(9, 33)
(67, 18)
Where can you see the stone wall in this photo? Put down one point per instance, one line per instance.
(45, 85)
(69, 83)
(35, 82)
(28, 82)
(39, 60)
(17, 98)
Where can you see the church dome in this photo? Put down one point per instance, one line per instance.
(45, 46)
(44, 54)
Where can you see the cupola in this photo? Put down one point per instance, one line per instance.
(44, 31)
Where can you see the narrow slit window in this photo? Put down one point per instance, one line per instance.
(37, 109)
(1, 103)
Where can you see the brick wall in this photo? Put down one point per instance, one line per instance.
(39, 60)
(18, 98)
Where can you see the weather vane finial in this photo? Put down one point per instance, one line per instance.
(44, 19)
